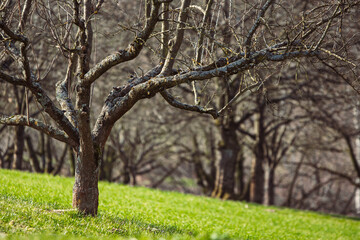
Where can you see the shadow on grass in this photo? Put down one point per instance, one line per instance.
(134, 227)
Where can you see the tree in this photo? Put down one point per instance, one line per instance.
(68, 25)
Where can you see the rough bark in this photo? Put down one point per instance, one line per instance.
(85, 190)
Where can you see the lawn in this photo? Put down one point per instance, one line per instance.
(38, 206)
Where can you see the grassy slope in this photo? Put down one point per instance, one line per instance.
(27, 202)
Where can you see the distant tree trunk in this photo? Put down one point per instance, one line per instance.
(270, 194)
(292, 184)
(19, 134)
(8, 159)
(355, 157)
(60, 162)
(107, 165)
(228, 145)
(204, 179)
(72, 162)
(48, 158)
(357, 198)
(126, 176)
(257, 169)
(133, 175)
(126, 172)
(229, 151)
(199, 170)
(257, 181)
(34, 161)
(42, 151)
(4, 157)
(18, 147)
(240, 172)
(245, 195)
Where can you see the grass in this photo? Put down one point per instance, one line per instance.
(28, 204)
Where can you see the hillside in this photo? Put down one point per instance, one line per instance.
(33, 204)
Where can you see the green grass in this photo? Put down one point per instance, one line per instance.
(28, 201)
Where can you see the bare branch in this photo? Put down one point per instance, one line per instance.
(34, 85)
(198, 57)
(326, 20)
(38, 125)
(253, 29)
(115, 106)
(165, 37)
(11, 79)
(11, 34)
(337, 56)
(326, 28)
(24, 15)
(353, 84)
(62, 91)
(123, 99)
(177, 41)
(195, 108)
(336, 173)
(243, 92)
(129, 53)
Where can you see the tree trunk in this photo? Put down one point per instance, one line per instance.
(34, 161)
(42, 151)
(225, 176)
(292, 184)
(19, 134)
(270, 194)
(257, 169)
(107, 165)
(240, 172)
(85, 191)
(133, 175)
(18, 147)
(257, 181)
(60, 162)
(229, 146)
(126, 171)
(48, 158)
(72, 162)
(204, 180)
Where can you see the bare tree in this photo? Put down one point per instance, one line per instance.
(70, 27)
